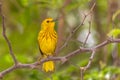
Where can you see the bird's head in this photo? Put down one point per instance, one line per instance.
(48, 23)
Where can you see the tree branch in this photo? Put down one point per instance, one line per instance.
(63, 59)
(4, 35)
(76, 28)
(90, 60)
(83, 69)
(87, 34)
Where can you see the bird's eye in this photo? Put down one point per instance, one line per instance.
(47, 21)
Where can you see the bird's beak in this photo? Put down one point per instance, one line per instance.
(55, 20)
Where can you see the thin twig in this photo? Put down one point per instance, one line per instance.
(4, 35)
(87, 34)
(63, 59)
(83, 69)
(85, 16)
(76, 28)
(90, 60)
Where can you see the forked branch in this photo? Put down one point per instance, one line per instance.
(92, 50)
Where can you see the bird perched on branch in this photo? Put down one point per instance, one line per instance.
(47, 39)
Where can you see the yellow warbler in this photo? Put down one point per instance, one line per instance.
(47, 39)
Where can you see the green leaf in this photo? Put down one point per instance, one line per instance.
(115, 15)
(114, 33)
(24, 2)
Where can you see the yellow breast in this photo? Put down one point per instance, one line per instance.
(47, 42)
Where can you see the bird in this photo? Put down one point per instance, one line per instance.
(47, 40)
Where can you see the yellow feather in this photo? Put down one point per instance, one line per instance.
(47, 39)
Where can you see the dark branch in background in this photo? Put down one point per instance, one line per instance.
(76, 28)
(63, 58)
(4, 35)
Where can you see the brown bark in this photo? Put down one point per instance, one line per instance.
(100, 36)
(61, 24)
(112, 8)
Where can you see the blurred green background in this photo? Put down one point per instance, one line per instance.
(23, 19)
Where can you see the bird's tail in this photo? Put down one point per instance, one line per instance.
(48, 66)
